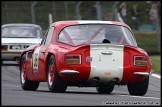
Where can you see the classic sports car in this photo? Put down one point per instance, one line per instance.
(16, 38)
(98, 54)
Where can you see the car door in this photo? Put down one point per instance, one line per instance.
(39, 64)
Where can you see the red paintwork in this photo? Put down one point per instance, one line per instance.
(24, 70)
(51, 71)
(122, 24)
(84, 68)
(129, 68)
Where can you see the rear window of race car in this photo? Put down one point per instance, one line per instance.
(95, 34)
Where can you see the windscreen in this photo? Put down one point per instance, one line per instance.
(96, 34)
(21, 31)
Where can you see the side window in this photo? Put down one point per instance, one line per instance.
(48, 36)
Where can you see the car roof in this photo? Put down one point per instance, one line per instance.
(74, 22)
(21, 24)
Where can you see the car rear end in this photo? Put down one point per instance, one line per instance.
(11, 52)
(11, 48)
(90, 58)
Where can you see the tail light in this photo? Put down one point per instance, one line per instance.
(4, 47)
(73, 59)
(140, 60)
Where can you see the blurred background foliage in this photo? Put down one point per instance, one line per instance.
(20, 11)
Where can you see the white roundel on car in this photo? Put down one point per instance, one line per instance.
(35, 60)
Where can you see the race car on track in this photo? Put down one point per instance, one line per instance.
(17, 37)
(85, 53)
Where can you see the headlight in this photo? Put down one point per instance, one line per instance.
(73, 59)
(140, 60)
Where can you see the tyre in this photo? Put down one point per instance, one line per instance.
(139, 88)
(105, 88)
(25, 83)
(55, 83)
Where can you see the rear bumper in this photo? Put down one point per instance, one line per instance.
(69, 72)
(78, 75)
(141, 73)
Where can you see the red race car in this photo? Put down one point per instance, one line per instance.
(98, 54)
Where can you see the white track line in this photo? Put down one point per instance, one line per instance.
(155, 75)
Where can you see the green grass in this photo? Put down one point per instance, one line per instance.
(156, 60)
(147, 40)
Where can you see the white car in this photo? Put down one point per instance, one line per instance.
(17, 37)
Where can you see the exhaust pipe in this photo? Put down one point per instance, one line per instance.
(115, 80)
(96, 79)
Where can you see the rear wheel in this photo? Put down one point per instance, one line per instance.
(25, 83)
(139, 88)
(105, 88)
(55, 83)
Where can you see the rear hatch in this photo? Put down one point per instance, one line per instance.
(107, 62)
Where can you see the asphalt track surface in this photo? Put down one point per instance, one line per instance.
(12, 93)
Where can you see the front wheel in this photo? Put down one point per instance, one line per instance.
(139, 88)
(55, 83)
(26, 84)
